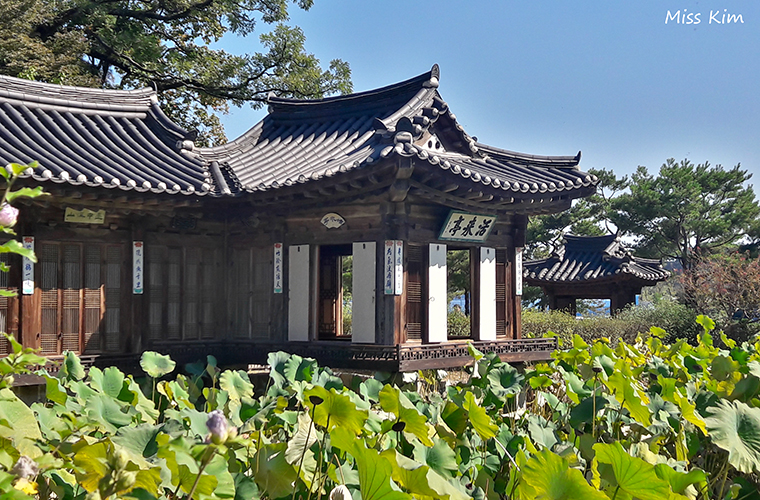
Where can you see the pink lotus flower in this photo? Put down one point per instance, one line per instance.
(8, 215)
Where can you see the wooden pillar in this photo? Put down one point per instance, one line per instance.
(564, 303)
(620, 299)
(137, 331)
(29, 305)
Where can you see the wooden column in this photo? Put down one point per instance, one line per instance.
(136, 332)
(563, 303)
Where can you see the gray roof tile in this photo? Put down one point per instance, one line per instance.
(308, 139)
(94, 137)
(588, 258)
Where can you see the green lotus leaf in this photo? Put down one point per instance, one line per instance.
(633, 399)
(275, 476)
(19, 424)
(237, 384)
(542, 431)
(370, 389)
(91, 464)
(440, 457)
(156, 365)
(71, 367)
(633, 475)
(478, 417)
(394, 401)
(420, 480)
(108, 412)
(297, 368)
(679, 481)
(575, 387)
(302, 440)
(548, 476)
(334, 410)
(707, 324)
(735, 427)
(723, 368)
(109, 381)
(375, 471)
(505, 381)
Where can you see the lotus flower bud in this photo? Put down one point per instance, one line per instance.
(8, 215)
(217, 426)
(25, 467)
(340, 492)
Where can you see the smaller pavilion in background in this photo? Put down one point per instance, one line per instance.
(592, 267)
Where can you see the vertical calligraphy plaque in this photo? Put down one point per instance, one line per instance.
(389, 272)
(278, 268)
(518, 271)
(27, 285)
(398, 250)
(138, 267)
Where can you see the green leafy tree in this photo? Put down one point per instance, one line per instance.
(587, 217)
(686, 208)
(167, 45)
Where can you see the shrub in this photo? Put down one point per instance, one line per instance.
(458, 323)
(727, 288)
(675, 318)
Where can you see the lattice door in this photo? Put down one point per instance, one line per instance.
(502, 322)
(329, 291)
(261, 292)
(241, 293)
(415, 305)
(48, 256)
(209, 271)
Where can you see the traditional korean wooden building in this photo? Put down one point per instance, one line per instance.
(593, 267)
(149, 242)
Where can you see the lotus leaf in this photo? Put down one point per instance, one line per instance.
(735, 427)
(156, 365)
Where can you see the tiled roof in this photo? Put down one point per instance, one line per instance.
(121, 140)
(106, 138)
(301, 141)
(591, 258)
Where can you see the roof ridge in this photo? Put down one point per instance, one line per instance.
(40, 94)
(286, 108)
(545, 160)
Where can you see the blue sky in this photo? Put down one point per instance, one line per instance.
(609, 78)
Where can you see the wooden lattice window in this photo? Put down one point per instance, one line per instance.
(251, 292)
(80, 297)
(415, 293)
(184, 292)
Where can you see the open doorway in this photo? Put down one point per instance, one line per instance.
(335, 297)
(459, 291)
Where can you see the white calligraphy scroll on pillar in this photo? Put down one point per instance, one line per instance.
(398, 250)
(27, 284)
(518, 271)
(389, 273)
(278, 267)
(138, 267)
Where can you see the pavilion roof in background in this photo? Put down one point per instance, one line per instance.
(586, 259)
